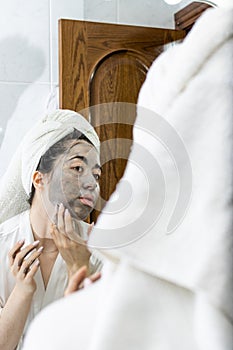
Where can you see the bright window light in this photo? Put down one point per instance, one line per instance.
(172, 2)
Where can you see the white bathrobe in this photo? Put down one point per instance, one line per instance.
(166, 291)
(12, 231)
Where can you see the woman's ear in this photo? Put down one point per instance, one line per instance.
(37, 180)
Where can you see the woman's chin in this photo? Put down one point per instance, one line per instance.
(82, 214)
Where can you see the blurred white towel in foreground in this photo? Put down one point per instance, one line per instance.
(166, 291)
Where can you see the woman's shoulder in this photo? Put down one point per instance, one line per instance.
(11, 225)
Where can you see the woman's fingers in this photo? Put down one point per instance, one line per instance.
(58, 238)
(68, 224)
(64, 223)
(22, 260)
(12, 253)
(17, 254)
(79, 280)
(64, 237)
(28, 262)
(21, 255)
(33, 269)
(91, 279)
(65, 228)
(95, 277)
(75, 280)
(60, 218)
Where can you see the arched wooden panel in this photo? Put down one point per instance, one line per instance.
(116, 78)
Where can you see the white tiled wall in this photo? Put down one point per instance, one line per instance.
(29, 53)
(101, 10)
(154, 13)
(28, 64)
(61, 9)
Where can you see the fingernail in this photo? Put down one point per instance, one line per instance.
(40, 249)
(86, 282)
(37, 262)
(96, 274)
(21, 241)
(61, 205)
(67, 212)
(35, 243)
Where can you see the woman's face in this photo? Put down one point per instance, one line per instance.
(75, 179)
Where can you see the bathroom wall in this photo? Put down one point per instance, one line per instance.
(29, 53)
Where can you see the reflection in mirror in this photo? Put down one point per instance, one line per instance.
(49, 189)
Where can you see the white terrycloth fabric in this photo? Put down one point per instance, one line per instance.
(16, 183)
(165, 291)
(191, 86)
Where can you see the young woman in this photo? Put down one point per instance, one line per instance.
(57, 171)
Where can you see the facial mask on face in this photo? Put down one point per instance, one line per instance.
(73, 182)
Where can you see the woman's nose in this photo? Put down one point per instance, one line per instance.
(89, 183)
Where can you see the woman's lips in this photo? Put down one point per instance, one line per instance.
(89, 201)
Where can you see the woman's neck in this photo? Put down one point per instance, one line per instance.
(41, 225)
(40, 221)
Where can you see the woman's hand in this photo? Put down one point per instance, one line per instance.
(75, 254)
(24, 264)
(79, 280)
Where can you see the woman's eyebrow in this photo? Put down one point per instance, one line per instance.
(84, 159)
(97, 166)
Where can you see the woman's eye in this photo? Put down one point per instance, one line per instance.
(79, 169)
(96, 176)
